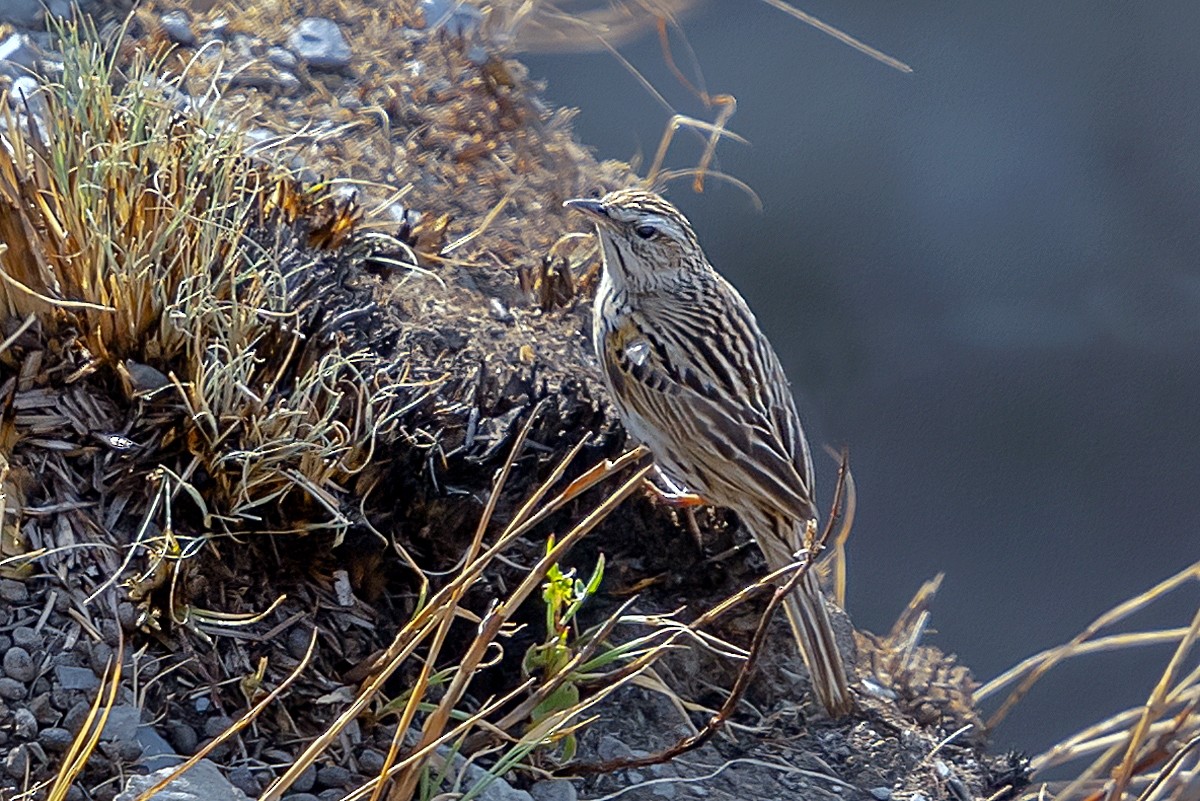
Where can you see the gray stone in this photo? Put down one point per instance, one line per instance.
(16, 762)
(13, 591)
(217, 725)
(122, 724)
(76, 715)
(27, 638)
(24, 724)
(610, 749)
(76, 678)
(881, 793)
(330, 795)
(306, 780)
(184, 738)
(664, 790)
(244, 779)
(156, 752)
(320, 43)
(332, 776)
(23, 13)
(203, 782)
(461, 20)
(11, 689)
(282, 57)
(553, 790)
(178, 27)
(371, 761)
(301, 797)
(56, 739)
(18, 664)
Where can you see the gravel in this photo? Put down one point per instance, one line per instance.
(319, 42)
(18, 664)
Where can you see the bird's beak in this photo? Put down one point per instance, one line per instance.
(588, 206)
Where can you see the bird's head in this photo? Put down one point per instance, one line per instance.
(643, 236)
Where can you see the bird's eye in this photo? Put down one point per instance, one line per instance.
(645, 231)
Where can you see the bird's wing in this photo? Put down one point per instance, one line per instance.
(715, 384)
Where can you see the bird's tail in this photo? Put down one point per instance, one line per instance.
(813, 630)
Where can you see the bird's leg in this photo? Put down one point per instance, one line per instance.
(670, 492)
(679, 497)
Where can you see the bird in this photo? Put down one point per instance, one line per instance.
(695, 380)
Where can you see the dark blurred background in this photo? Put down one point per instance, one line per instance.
(982, 277)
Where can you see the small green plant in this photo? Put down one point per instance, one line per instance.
(564, 595)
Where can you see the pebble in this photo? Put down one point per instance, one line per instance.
(301, 797)
(76, 715)
(122, 724)
(203, 782)
(320, 43)
(178, 27)
(16, 762)
(461, 20)
(43, 710)
(11, 689)
(371, 761)
(306, 780)
(881, 793)
(27, 638)
(183, 737)
(56, 738)
(297, 642)
(553, 790)
(333, 776)
(18, 664)
(610, 748)
(216, 725)
(244, 779)
(24, 724)
(76, 678)
(13, 591)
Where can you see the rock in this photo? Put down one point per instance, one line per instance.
(553, 790)
(156, 751)
(76, 715)
(11, 689)
(184, 738)
(76, 678)
(122, 724)
(22, 13)
(16, 762)
(610, 748)
(203, 782)
(333, 776)
(14, 592)
(177, 25)
(461, 20)
(371, 761)
(282, 57)
(306, 780)
(24, 724)
(330, 795)
(244, 779)
(217, 725)
(56, 739)
(881, 793)
(301, 797)
(27, 638)
(319, 42)
(18, 664)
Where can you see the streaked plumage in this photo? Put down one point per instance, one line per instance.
(694, 379)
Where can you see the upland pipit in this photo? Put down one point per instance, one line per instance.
(695, 380)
